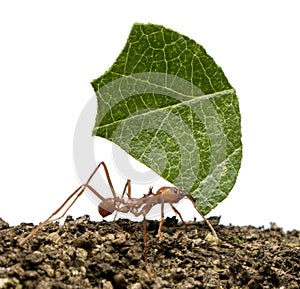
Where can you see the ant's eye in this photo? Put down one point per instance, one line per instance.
(175, 190)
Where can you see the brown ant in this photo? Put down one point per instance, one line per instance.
(136, 206)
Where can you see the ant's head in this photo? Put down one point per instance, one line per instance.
(172, 194)
(106, 207)
(177, 191)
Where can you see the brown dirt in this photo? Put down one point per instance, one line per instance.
(86, 254)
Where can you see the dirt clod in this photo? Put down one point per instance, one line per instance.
(86, 254)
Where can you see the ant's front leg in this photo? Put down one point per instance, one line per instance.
(178, 213)
(203, 217)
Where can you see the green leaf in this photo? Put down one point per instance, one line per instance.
(169, 105)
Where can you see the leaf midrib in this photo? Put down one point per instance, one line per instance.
(184, 102)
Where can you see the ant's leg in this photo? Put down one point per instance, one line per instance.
(205, 220)
(107, 177)
(108, 180)
(145, 246)
(145, 239)
(86, 185)
(128, 187)
(94, 192)
(178, 213)
(78, 191)
(162, 218)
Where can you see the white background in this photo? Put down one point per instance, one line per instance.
(51, 50)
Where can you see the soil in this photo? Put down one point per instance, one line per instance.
(87, 254)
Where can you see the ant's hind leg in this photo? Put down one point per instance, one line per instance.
(78, 192)
(107, 177)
